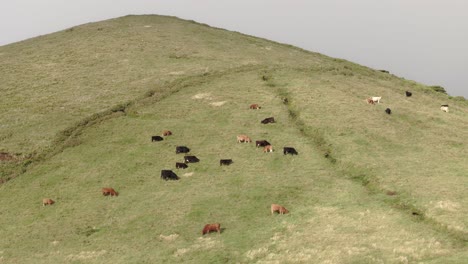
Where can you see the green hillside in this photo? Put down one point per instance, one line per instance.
(79, 108)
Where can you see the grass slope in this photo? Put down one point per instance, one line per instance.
(124, 80)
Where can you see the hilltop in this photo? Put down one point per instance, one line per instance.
(79, 108)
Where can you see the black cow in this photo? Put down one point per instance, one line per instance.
(180, 165)
(289, 150)
(226, 162)
(261, 143)
(182, 149)
(156, 138)
(168, 175)
(268, 120)
(388, 111)
(408, 94)
(191, 159)
(384, 71)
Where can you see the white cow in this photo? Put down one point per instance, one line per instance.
(444, 108)
(376, 99)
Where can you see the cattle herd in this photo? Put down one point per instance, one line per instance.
(171, 175)
(376, 100)
(267, 147)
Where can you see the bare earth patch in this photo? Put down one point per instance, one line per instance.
(202, 96)
(168, 238)
(188, 174)
(218, 103)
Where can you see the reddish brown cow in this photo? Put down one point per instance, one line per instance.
(278, 208)
(111, 191)
(255, 106)
(166, 133)
(211, 227)
(47, 201)
(268, 148)
(243, 138)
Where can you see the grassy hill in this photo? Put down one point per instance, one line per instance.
(80, 107)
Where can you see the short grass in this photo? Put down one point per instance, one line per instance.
(350, 153)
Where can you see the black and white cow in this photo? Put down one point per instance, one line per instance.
(182, 149)
(289, 150)
(168, 175)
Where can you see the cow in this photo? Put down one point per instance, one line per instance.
(182, 149)
(408, 94)
(255, 106)
(181, 165)
(444, 108)
(384, 71)
(376, 99)
(268, 120)
(156, 138)
(191, 159)
(278, 208)
(47, 201)
(388, 111)
(111, 191)
(268, 148)
(211, 227)
(166, 133)
(168, 175)
(243, 138)
(261, 143)
(370, 101)
(226, 162)
(289, 150)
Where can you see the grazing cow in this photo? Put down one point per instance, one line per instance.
(408, 94)
(255, 106)
(166, 133)
(47, 201)
(191, 159)
(211, 228)
(262, 143)
(226, 162)
(168, 175)
(268, 120)
(289, 150)
(388, 111)
(182, 149)
(180, 165)
(156, 138)
(268, 148)
(444, 108)
(376, 99)
(243, 138)
(278, 208)
(111, 191)
(370, 101)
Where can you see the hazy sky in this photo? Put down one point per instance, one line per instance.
(421, 40)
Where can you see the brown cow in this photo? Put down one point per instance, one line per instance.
(268, 148)
(243, 138)
(211, 227)
(47, 201)
(255, 106)
(278, 208)
(111, 191)
(166, 133)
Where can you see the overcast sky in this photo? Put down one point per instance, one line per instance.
(421, 40)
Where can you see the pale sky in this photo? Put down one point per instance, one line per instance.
(421, 40)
